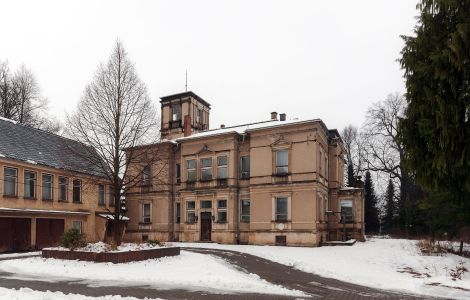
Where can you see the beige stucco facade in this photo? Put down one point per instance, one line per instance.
(293, 185)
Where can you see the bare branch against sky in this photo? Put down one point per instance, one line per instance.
(304, 58)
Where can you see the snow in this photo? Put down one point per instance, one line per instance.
(44, 211)
(378, 263)
(102, 247)
(111, 217)
(16, 255)
(190, 271)
(8, 120)
(29, 161)
(29, 294)
(1, 155)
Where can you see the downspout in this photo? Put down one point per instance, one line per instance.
(237, 215)
(172, 208)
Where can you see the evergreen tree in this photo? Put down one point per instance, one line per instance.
(371, 217)
(436, 126)
(390, 208)
(351, 177)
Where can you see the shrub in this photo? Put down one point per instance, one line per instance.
(153, 243)
(73, 239)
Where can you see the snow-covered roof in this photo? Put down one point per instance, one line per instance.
(44, 211)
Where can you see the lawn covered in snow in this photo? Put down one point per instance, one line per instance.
(190, 271)
(103, 247)
(391, 264)
(28, 294)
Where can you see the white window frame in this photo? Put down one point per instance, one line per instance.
(276, 214)
(51, 189)
(146, 175)
(176, 116)
(192, 170)
(73, 190)
(350, 203)
(147, 219)
(222, 167)
(66, 185)
(190, 211)
(206, 169)
(15, 182)
(80, 225)
(281, 169)
(222, 209)
(244, 174)
(244, 216)
(27, 182)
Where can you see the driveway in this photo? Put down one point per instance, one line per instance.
(313, 285)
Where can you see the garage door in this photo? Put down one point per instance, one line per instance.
(15, 234)
(48, 232)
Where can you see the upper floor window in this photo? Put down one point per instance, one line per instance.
(176, 112)
(146, 173)
(206, 169)
(77, 191)
(206, 204)
(111, 196)
(346, 210)
(191, 169)
(245, 168)
(281, 209)
(47, 181)
(63, 188)
(282, 162)
(178, 213)
(199, 118)
(222, 170)
(222, 211)
(10, 179)
(29, 184)
(178, 173)
(245, 211)
(101, 195)
(191, 212)
(146, 212)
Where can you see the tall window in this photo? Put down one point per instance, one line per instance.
(77, 191)
(29, 184)
(111, 196)
(346, 210)
(47, 181)
(191, 212)
(191, 168)
(282, 162)
(245, 211)
(245, 162)
(178, 173)
(101, 195)
(77, 225)
(10, 182)
(206, 169)
(63, 188)
(146, 175)
(281, 209)
(146, 213)
(222, 170)
(199, 118)
(178, 213)
(222, 211)
(176, 112)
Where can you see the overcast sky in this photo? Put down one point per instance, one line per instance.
(309, 59)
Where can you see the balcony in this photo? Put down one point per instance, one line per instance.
(281, 177)
(175, 124)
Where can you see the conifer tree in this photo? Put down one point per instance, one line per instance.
(371, 217)
(351, 179)
(390, 207)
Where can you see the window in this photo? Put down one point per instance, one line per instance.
(346, 211)
(282, 165)
(222, 172)
(245, 167)
(321, 162)
(146, 175)
(29, 184)
(77, 191)
(178, 213)
(245, 211)
(199, 118)
(47, 181)
(191, 166)
(281, 209)
(206, 169)
(222, 211)
(63, 188)
(101, 195)
(178, 173)
(191, 212)
(111, 195)
(176, 112)
(206, 204)
(10, 179)
(77, 225)
(146, 213)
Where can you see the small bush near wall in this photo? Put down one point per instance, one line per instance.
(72, 239)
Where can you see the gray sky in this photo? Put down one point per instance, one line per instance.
(309, 59)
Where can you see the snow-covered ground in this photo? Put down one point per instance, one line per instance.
(190, 271)
(390, 264)
(28, 294)
(103, 247)
(16, 255)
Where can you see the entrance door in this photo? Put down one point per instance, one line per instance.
(206, 226)
(48, 232)
(15, 234)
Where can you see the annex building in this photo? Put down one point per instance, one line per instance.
(274, 182)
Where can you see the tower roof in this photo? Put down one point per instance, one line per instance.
(183, 95)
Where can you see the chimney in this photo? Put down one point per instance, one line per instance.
(274, 116)
(187, 125)
(222, 125)
(282, 117)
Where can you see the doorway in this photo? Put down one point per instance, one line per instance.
(206, 226)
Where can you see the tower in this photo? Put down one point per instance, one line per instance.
(183, 114)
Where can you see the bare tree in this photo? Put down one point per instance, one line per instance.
(353, 142)
(8, 107)
(114, 116)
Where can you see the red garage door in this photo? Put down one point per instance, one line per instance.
(15, 234)
(48, 232)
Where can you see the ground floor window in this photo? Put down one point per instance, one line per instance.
(178, 213)
(281, 209)
(346, 211)
(146, 213)
(206, 204)
(77, 225)
(222, 211)
(245, 211)
(191, 212)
